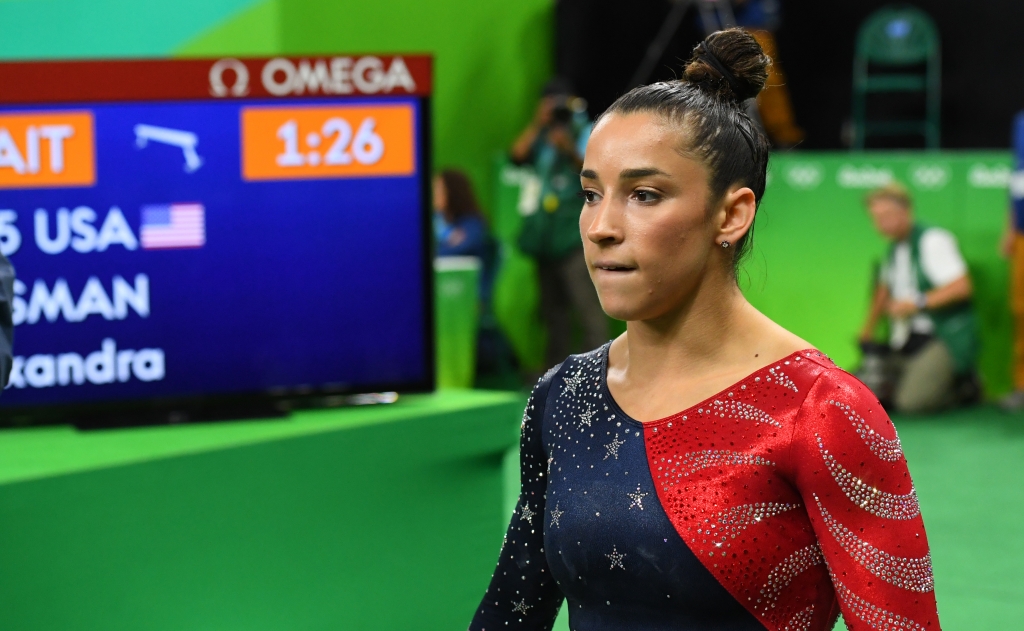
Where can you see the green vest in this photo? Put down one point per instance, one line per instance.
(955, 324)
(553, 231)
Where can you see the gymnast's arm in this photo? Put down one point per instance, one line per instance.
(522, 593)
(853, 477)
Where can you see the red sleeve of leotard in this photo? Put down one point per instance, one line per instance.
(851, 472)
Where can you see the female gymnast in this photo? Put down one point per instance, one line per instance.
(707, 470)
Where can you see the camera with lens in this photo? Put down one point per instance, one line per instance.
(565, 108)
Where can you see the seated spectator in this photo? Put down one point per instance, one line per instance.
(461, 230)
(460, 227)
(925, 290)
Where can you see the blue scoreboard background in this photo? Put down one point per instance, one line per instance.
(201, 252)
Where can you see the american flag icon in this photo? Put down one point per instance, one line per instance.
(166, 226)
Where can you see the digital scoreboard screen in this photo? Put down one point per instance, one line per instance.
(191, 229)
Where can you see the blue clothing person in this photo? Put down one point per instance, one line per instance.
(468, 236)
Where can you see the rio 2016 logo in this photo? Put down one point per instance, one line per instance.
(983, 175)
(805, 175)
(863, 176)
(931, 176)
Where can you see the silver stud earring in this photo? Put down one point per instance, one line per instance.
(725, 244)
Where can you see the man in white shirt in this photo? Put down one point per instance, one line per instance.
(925, 290)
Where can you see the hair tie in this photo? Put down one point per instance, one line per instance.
(713, 61)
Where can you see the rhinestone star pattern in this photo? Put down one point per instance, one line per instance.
(556, 514)
(908, 573)
(613, 447)
(572, 382)
(616, 558)
(521, 585)
(587, 416)
(752, 489)
(871, 499)
(637, 497)
(526, 514)
(887, 449)
(521, 606)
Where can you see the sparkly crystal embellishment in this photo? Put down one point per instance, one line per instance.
(638, 498)
(802, 620)
(616, 558)
(521, 606)
(613, 448)
(872, 615)
(874, 501)
(784, 573)
(697, 460)
(781, 378)
(574, 381)
(886, 449)
(587, 416)
(742, 411)
(556, 514)
(910, 573)
(526, 514)
(736, 519)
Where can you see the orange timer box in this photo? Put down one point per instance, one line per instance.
(312, 142)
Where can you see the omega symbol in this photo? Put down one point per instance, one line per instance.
(217, 86)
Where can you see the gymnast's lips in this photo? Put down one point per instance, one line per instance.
(612, 267)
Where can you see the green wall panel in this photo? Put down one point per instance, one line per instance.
(491, 59)
(254, 32)
(35, 29)
(815, 246)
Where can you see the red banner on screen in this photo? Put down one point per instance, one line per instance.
(226, 78)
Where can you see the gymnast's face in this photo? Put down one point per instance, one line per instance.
(647, 234)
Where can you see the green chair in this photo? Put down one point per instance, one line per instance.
(892, 39)
(456, 318)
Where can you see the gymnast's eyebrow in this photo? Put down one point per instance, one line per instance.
(627, 174)
(632, 174)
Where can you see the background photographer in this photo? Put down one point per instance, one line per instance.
(925, 291)
(554, 143)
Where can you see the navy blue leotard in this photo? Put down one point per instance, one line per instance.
(775, 504)
(614, 554)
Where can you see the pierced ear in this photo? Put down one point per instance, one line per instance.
(738, 208)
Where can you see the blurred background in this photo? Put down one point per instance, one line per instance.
(372, 491)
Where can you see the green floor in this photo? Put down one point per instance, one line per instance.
(967, 467)
(376, 518)
(250, 525)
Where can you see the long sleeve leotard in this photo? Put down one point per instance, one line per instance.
(779, 503)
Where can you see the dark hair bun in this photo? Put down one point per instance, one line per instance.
(730, 64)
